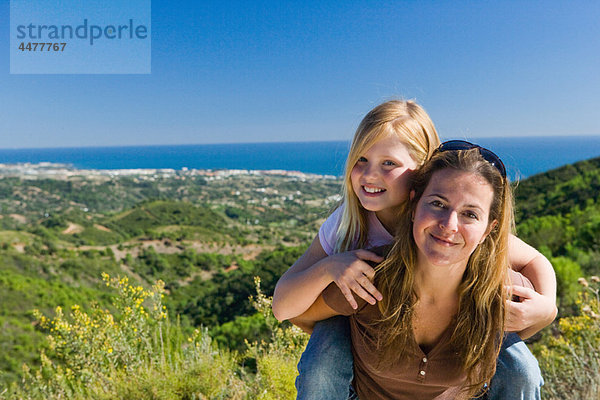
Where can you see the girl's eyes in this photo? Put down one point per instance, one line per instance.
(387, 163)
(471, 215)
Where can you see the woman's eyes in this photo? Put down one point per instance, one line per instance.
(437, 203)
(468, 214)
(362, 159)
(389, 163)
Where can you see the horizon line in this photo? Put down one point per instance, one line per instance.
(109, 146)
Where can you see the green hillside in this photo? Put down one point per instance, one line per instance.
(206, 238)
(558, 212)
(558, 191)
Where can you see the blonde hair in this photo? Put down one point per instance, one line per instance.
(404, 119)
(480, 315)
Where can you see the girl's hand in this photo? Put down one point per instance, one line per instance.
(527, 313)
(351, 273)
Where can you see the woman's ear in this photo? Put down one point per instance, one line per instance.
(490, 228)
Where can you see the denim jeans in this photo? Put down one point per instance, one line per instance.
(326, 367)
(518, 374)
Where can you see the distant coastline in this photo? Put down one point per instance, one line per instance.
(524, 156)
(47, 170)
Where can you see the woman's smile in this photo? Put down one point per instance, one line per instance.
(452, 217)
(443, 241)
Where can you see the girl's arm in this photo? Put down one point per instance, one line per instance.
(300, 285)
(537, 309)
(318, 311)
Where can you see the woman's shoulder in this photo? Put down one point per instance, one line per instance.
(518, 279)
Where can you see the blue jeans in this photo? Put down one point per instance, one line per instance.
(518, 374)
(326, 367)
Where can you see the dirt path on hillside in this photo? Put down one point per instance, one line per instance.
(19, 218)
(72, 229)
(102, 228)
(249, 252)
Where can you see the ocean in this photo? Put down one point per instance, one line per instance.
(523, 156)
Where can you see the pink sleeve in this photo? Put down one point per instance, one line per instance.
(328, 231)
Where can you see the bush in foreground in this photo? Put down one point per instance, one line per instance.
(137, 353)
(570, 359)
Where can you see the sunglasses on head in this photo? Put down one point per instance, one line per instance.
(488, 155)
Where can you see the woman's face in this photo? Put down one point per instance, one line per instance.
(451, 218)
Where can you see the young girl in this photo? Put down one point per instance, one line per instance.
(393, 140)
(436, 332)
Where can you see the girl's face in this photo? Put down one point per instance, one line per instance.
(380, 176)
(451, 218)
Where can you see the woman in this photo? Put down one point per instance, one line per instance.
(436, 331)
(392, 140)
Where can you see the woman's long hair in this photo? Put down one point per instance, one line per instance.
(402, 118)
(480, 314)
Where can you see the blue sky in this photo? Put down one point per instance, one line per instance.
(265, 71)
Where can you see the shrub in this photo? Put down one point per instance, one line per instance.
(275, 361)
(95, 355)
(570, 361)
(567, 271)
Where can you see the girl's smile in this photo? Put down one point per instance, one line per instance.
(380, 177)
(373, 190)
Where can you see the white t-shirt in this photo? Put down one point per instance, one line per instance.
(377, 235)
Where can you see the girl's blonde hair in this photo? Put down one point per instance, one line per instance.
(480, 314)
(404, 119)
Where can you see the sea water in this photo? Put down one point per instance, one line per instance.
(523, 156)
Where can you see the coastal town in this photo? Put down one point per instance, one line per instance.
(47, 170)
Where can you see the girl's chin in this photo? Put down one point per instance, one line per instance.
(369, 206)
